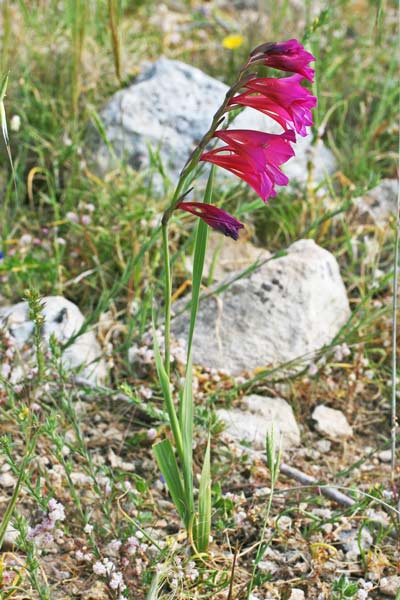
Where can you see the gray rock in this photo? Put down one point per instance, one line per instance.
(7, 480)
(390, 586)
(63, 320)
(169, 108)
(10, 538)
(379, 204)
(353, 543)
(258, 415)
(331, 422)
(285, 310)
(385, 456)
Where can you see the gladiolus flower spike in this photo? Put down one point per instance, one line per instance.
(215, 217)
(255, 156)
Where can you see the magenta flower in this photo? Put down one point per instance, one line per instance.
(255, 157)
(284, 100)
(285, 56)
(214, 217)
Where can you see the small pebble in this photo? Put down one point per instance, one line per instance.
(385, 456)
(390, 585)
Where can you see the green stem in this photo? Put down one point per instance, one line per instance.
(168, 294)
(30, 447)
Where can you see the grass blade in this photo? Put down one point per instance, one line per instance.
(166, 389)
(186, 424)
(198, 263)
(4, 130)
(204, 520)
(186, 405)
(169, 468)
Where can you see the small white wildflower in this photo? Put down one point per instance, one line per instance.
(132, 545)
(71, 216)
(114, 546)
(25, 239)
(151, 434)
(88, 528)
(117, 581)
(86, 219)
(99, 568)
(240, 517)
(109, 565)
(79, 555)
(88, 557)
(5, 370)
(191, 571)
(56, 511)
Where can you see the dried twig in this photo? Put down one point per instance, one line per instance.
(118, 396)
(328, 491)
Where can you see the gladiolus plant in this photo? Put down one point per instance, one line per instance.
(256, 158)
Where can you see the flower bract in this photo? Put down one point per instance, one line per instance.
(215, 217)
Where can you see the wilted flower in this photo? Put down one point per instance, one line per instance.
(214, 217)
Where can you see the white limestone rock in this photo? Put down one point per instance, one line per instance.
(380, 203)
(62, 319)
(353, 543)
(169, 108)
(331, 422)
(225, 256)
(258, 415)
(285, 310)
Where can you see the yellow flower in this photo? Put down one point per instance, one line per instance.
(23, 413)
(233, 41)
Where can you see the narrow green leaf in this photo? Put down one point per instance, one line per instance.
(3, 122)
(152, 594)
(169, 468)
(198, 262)
(169, 403)
(3, 87)
(204, 521)
(186, 423)
(186, 405)
(99, 125)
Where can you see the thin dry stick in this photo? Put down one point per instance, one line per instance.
(83, 382)
(115, 39)
(327, 491)
(394, 348)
